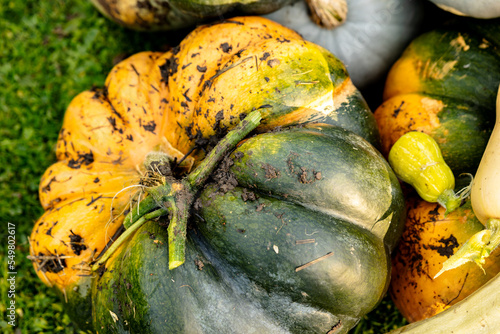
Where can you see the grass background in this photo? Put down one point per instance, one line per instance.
(50, 51)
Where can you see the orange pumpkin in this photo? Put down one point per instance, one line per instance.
(429, 239)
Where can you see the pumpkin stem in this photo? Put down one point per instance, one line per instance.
(148, 204)
(449, 200)
(198, 177)
(177, 228)
(328, 13)
(176, 197)
(184, 191)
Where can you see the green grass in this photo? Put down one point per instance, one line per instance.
(49, 52)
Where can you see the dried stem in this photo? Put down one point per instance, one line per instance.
(328, 13)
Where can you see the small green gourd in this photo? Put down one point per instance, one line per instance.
(417, 160)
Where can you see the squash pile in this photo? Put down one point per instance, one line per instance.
(239, 182)
(464, 297)
(279, 235)
(444, 85)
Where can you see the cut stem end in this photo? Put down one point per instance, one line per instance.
(476, 249)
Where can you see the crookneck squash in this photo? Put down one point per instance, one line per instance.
(429, 239)
(154, 223)
(153, 15)
(445, 85)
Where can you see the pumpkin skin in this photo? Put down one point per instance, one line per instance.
(481, 9)
(246, 252)
(368, 42)
(180, 103)
(445, 85)
(157, 15)
(430, 237)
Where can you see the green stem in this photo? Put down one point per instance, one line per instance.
(146, 205)
(449, 200)
(198, 177)
(177, 228)
(128, 232)
(177, 197)
(156, 197)
(184, 194)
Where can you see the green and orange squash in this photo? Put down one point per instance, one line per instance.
(444, 84)
(280, 234)
(451, 294)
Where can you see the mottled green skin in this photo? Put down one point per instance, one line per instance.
(356, 183)
(204, 295)
(463, 134)
(474, 77)
(468, 90)
(261, 238)
(244, 257)
(217, 8)
(357, 117)
(354, 115)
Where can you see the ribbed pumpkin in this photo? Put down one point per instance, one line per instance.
(151, 127)
(445, 85)
(152, 15)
